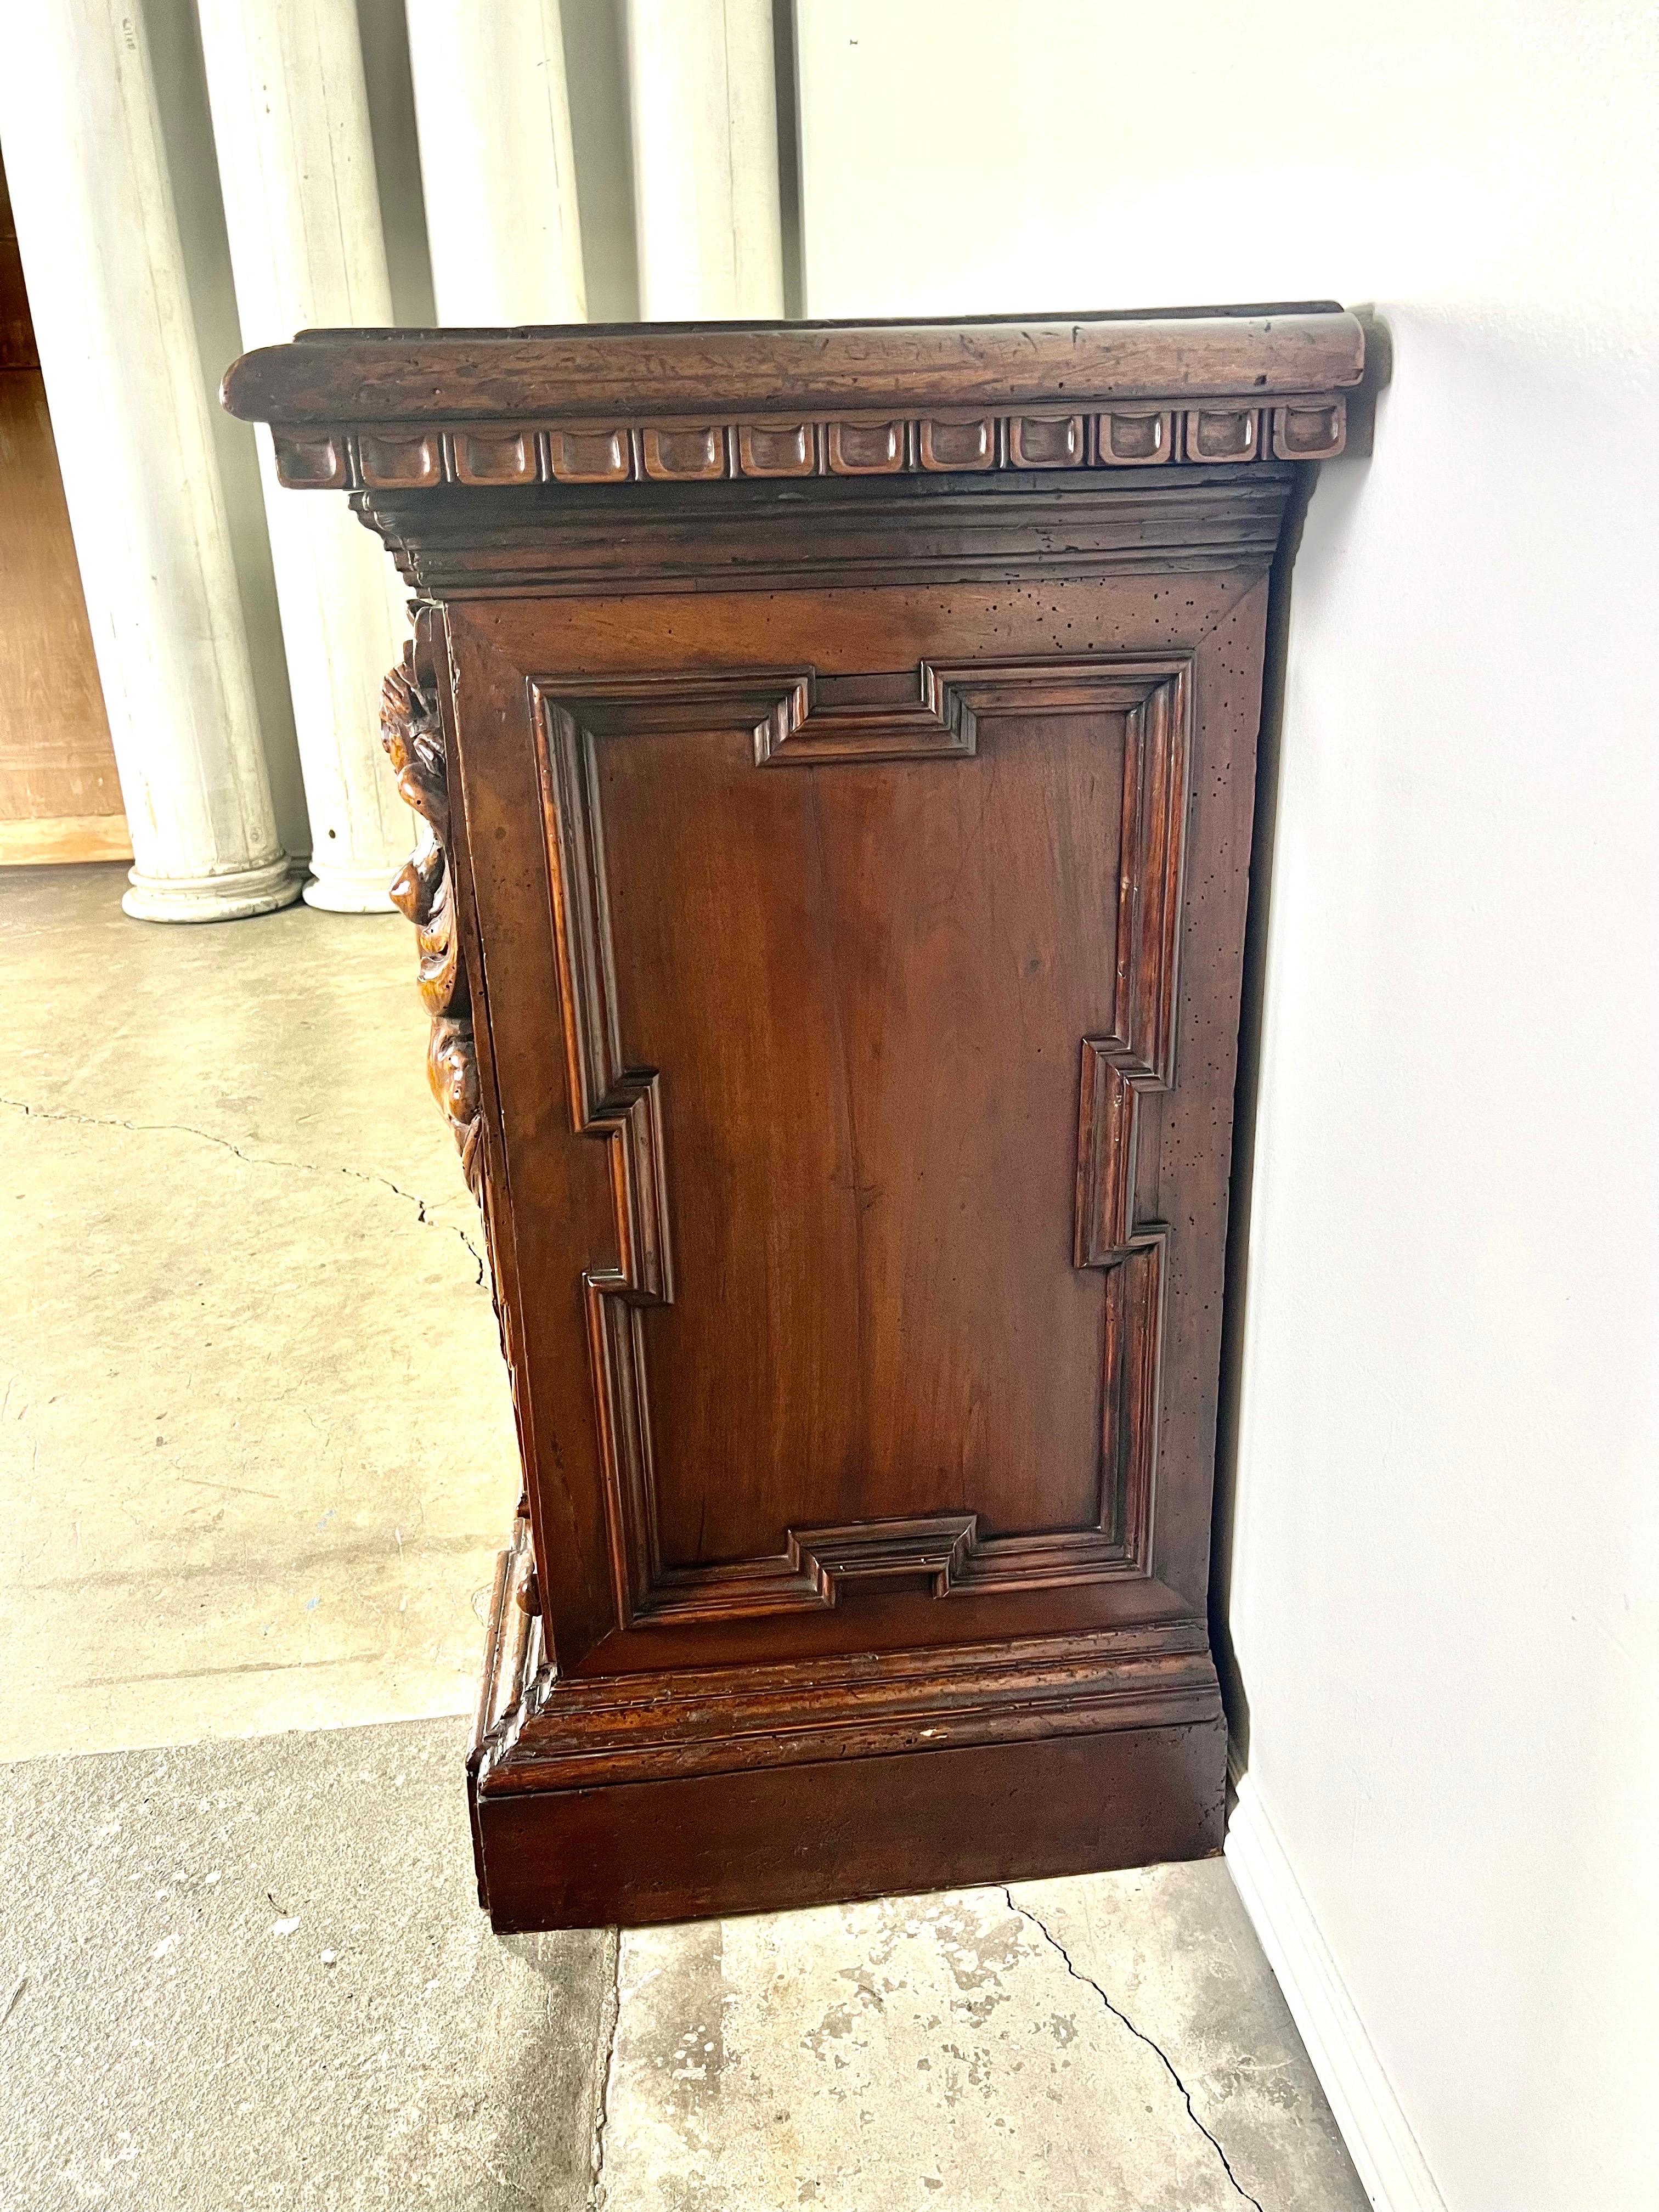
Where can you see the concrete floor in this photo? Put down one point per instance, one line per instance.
(256, 1451)
(255, 1460)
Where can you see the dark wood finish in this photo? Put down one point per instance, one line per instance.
(857, 369)
(17, 347)
(832, 932)
(424, 892)
(408, 411)
(868, 1827)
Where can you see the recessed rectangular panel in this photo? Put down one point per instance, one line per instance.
(681, 454)
(1045, 441)
(601, 456)
(391, 460)
(1314, 432)
(951, 443)
(1223, 434)
(499, 455)
(864, 1000)
(1136, 437)
(314, 461)
(774, 449)
(865, 448)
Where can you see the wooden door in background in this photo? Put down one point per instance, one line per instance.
(59, 799)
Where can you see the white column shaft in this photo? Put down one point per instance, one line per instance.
(705, 129)
(498, 168)
(296, 165)
(98, 233)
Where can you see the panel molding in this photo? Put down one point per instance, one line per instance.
(544, 1730)
(934, 721)
(796, 718)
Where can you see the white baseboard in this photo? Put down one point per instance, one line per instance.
(1392, 2169)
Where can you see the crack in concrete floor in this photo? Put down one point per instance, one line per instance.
(924, 2049)
(254, 1159)
(423, 2055)
(1139, 2034)
(605, 2059)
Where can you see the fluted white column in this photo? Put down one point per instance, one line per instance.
(98, 233)
(705, 128)
(296, 166)
(498, 169)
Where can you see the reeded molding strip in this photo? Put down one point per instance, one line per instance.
(1146, 434)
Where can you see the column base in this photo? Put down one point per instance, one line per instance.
(351, 890)
(229, 897)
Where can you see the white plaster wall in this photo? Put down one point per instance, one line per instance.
(1446, 1538)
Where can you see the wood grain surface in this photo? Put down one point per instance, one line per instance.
(856, 369)
(844, 813)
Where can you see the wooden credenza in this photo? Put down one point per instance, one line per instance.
(838, 745)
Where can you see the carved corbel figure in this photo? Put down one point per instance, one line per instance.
(424, 892)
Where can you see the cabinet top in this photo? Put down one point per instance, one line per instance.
(599, 402)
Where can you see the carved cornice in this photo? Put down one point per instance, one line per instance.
(413, 410)
(1153, 432)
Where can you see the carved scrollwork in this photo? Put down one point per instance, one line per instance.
(424, 891)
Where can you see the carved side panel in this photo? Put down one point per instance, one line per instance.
(424, 892)
(797, 719)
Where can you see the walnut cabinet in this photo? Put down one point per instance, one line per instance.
(838, 749)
